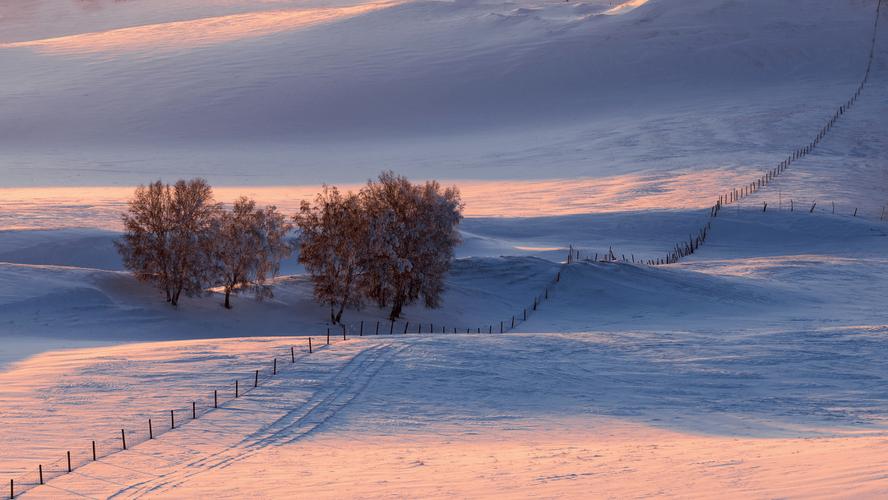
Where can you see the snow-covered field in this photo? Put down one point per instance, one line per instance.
(754, 368)
(624, 414)
(761, 355)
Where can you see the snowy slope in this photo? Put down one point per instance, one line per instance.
(487, 90)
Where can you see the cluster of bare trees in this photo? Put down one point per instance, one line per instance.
(390, 244)
(180, 239)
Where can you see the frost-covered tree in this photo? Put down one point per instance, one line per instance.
(332, 246)
(167, 237)
(250, 243)
(410, 242)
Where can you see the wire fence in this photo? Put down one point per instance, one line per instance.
(783, 203)
(169, 420)
(160, 423)
(403, 327)
(737, 194)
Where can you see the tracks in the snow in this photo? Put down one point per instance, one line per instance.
(332, 396)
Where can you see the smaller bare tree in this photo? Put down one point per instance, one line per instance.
(331, 247)
(249, 245)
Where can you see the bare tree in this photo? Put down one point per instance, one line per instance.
(410, 242)
(331, 247)
(168, 236)
(192, 215)
(145, 245)
(249, 245)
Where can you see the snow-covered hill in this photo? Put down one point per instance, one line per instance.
(469, 89)
(759, 269)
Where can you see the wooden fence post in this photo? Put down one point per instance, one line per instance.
(193, 410)
(12, 488)
(292, 354)
(172, 419)
(215, 398)
(274, 367)
(94, 450)
(123, 438)
(309, 345)
(40, 473)
(237, 388)
(361, 334)
(69, 462)
(328, 336)
(150, 430)
(256, 379)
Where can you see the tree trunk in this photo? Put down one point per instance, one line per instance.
(339, 314)
(227, 296)
(396, 310)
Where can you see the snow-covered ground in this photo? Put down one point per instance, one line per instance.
(625, 413)
(762, 354)
(754, 368)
